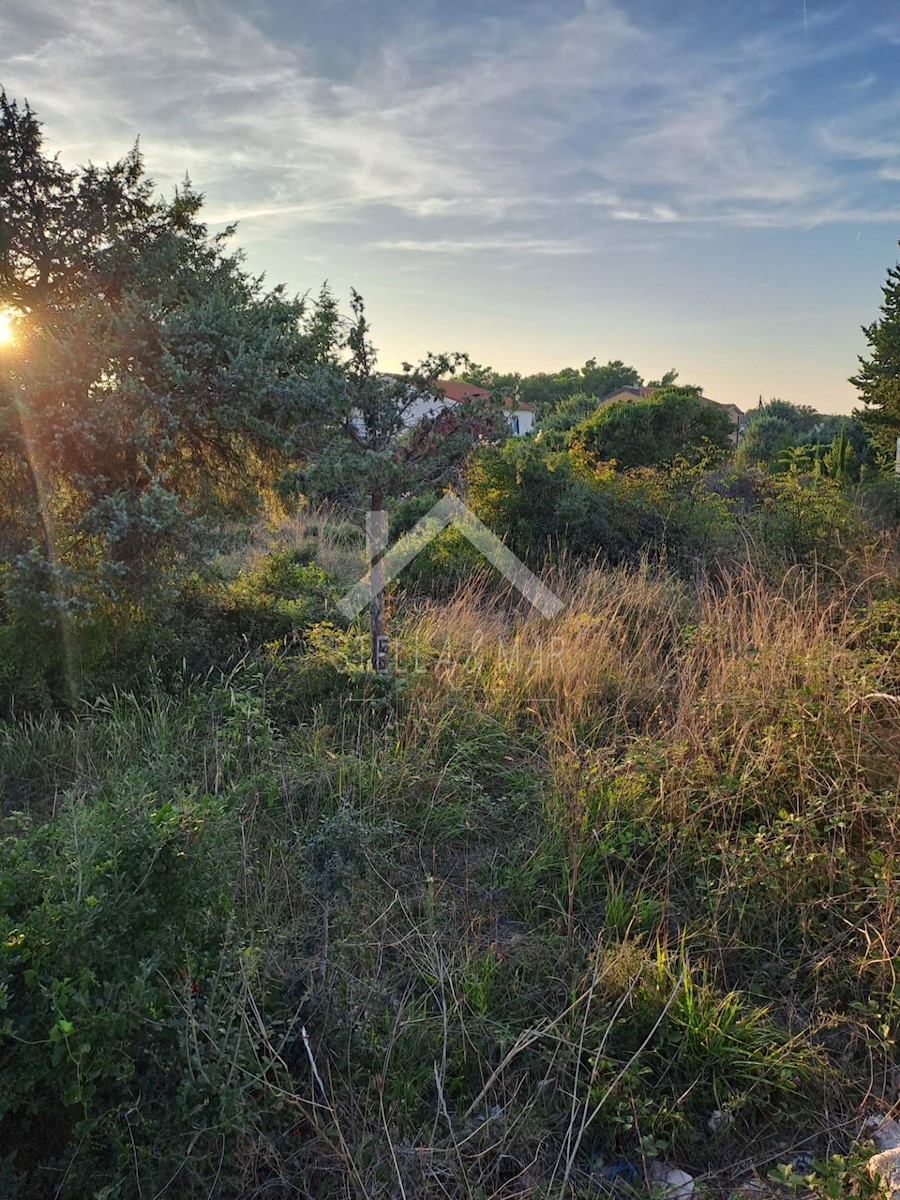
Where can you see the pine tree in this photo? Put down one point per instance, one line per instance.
(879, 377)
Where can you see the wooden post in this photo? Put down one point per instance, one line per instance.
(377, 541)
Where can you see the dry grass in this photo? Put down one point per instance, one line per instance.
(337, 544)
(619, 870)
(735, 674)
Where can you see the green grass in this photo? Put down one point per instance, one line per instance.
(288, 932)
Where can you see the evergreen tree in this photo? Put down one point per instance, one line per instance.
(154, 384)
(878, 379)
(671, 424)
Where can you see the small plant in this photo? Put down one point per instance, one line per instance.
(835, 1178)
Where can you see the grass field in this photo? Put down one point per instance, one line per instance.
(559, 900)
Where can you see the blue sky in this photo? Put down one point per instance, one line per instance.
(708, 185)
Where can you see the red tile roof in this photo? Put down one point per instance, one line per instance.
(458, 391)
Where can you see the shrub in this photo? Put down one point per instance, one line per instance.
(806, 519)
(562, 501)
(56, 657)
(113, 925)
(666, 426)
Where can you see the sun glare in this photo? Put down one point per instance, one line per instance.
(6, 329)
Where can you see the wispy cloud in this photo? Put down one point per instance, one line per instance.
(515, 117)
(484, 245)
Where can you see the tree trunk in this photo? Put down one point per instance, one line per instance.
(377, 544)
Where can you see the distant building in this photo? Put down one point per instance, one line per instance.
(521, 415)
(732, 411)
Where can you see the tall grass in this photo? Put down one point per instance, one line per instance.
(547, 905)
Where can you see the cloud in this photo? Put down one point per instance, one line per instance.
(527, 128)
(484, 245)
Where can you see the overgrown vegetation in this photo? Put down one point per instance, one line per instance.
(559, 895)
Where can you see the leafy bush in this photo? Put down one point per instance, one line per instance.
(806, 519)
(546, 500)
(56, 657)
(562, 502)
(114, 921)
(667, 425)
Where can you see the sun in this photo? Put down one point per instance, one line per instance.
(6, 329)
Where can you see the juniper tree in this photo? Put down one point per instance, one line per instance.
(671, 424)
(155, 384)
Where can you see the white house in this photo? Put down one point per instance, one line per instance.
(457, 391)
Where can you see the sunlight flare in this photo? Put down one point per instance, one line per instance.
(7, 332)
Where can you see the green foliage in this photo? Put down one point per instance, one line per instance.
(206, 627)
(834, 1178)
(566, 414)
(764, 438)
(805, 520)
(880, 500)
(671, 424)
(547, 500)
(878, 379)
(362, 447)
(154, 386)
(113, 923)
(280, 598)
(787, 437)
(245, 920)
(443, 565)
(551, 391)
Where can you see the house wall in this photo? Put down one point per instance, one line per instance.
(521, 421)
(425, 406)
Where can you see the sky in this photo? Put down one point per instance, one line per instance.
(709, 185)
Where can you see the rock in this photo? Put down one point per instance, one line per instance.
(801, 1164)
(884, 1132)
(887, 1166)
(717, 1120)
(678, 1185)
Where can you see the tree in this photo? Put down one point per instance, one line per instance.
(666, 381)
(764, 439)
(57, 225)
(771, 429)
(780, 435)
(655, 431)
(365, 449)
(549, 390)
(154, 383)
(878, 379)
(569, 412)
(603, 380)
(479, 376)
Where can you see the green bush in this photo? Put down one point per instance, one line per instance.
(52, 656)
(667, 426)
(555, 501)
(803, 519)
(114, 920)
(546, 500)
